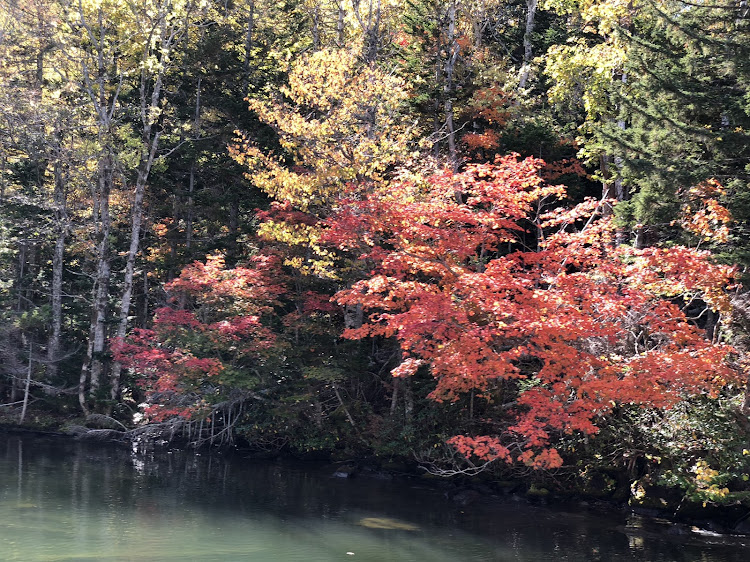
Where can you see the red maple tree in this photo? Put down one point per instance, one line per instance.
(216, 341)
(483, 283)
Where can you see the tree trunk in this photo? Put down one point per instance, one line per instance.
(61, 225)
(148, 154)
(93, 364)
(22, 247)
(189, 211)
(316, 28)
(95, 82)
(408, 403)
(191, 178)
(373, 33)
(448, 87)
(144, 316)
(531, 6)
(27, 386)
(248, 48)
(394, 394)
(479, 23)
(353, 316)
(344, 408)
(150, 106)
(613, 187)
(233, 249)
(340, 25)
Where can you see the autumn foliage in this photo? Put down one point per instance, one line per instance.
(209, 344)
(486, 285)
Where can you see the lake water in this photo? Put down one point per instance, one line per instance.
(66, 500)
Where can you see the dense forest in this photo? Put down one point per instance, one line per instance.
(505, 237)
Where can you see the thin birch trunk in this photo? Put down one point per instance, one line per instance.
(528, 52)
(394, 395)
(343, 407)
(408, 403)
(28, 385)
(104, 103)
(191, 178)
(448, 86)
(61, 225)
(135, 235)
(93, 367)
(150, 108)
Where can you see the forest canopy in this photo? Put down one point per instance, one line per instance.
(474, 234)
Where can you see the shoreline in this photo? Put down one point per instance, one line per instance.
(715, 520)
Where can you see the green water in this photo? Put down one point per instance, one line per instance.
(65, 500)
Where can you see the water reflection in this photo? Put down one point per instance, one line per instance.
(66, 500)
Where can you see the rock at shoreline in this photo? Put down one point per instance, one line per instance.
(345, 471)
(387, 523)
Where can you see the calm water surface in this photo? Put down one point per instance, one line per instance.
(65, 500)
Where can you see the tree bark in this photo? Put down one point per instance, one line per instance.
(528, 52)
(340, 24)
(27, 385)
(408, 403)
(370, 26)
(191, 178)
(453, 50)
(61, 225)
(104, 103)
(93, 365)
(612, 185)
(396, 384)
(168, 31)
(135, 236)
(316, 27)
(22, 247)
(150, 144)
(248, 48)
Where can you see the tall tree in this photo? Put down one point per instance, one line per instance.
(41, 127)
(563, 333)
(342, 121)
(662, 84)
(164, 25)
(121, 50)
